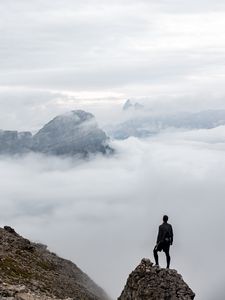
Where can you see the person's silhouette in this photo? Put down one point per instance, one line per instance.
(164, 240)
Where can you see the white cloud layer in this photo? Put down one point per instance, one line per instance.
(104, 214)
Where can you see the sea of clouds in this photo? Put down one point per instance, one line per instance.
(104, 213)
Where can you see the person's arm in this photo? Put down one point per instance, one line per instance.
(171, 235)
(159, 236)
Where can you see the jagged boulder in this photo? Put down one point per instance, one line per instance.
(11, 230)
(148, 282)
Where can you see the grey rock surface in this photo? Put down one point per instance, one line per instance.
(73, 133)
(14, 142)
(147, 282)
(20, 292)
(29, 271)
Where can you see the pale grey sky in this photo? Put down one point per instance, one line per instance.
(109, 51)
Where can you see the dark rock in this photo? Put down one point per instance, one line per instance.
(148, 282)
(10, 230)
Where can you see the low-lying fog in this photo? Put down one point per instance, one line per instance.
(104, 213)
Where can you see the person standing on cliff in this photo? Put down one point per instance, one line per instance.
(164, 240)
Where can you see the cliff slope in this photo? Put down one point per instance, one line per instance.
(29, 271)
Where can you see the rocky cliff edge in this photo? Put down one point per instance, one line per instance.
(148, 282)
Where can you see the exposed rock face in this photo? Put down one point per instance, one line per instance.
(13, 142)
(73, 133)
(147, 282)
(28, 271)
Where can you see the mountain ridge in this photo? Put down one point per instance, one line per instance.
(72, 133)
(31, 269)
(146, 123)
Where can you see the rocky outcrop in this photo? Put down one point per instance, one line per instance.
(28, 271)
(148, 282)
(73, 133)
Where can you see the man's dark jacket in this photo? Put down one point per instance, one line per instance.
(165, 233)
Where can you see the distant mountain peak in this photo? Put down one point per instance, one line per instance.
(76, 115)
(75, 132)
(129, 105)
(148, 124)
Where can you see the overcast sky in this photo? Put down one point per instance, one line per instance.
(59, 55)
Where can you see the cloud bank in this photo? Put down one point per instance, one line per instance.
(104, 214)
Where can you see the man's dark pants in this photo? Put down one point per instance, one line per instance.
(165, 246)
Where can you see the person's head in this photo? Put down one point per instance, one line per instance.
(165, 218)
